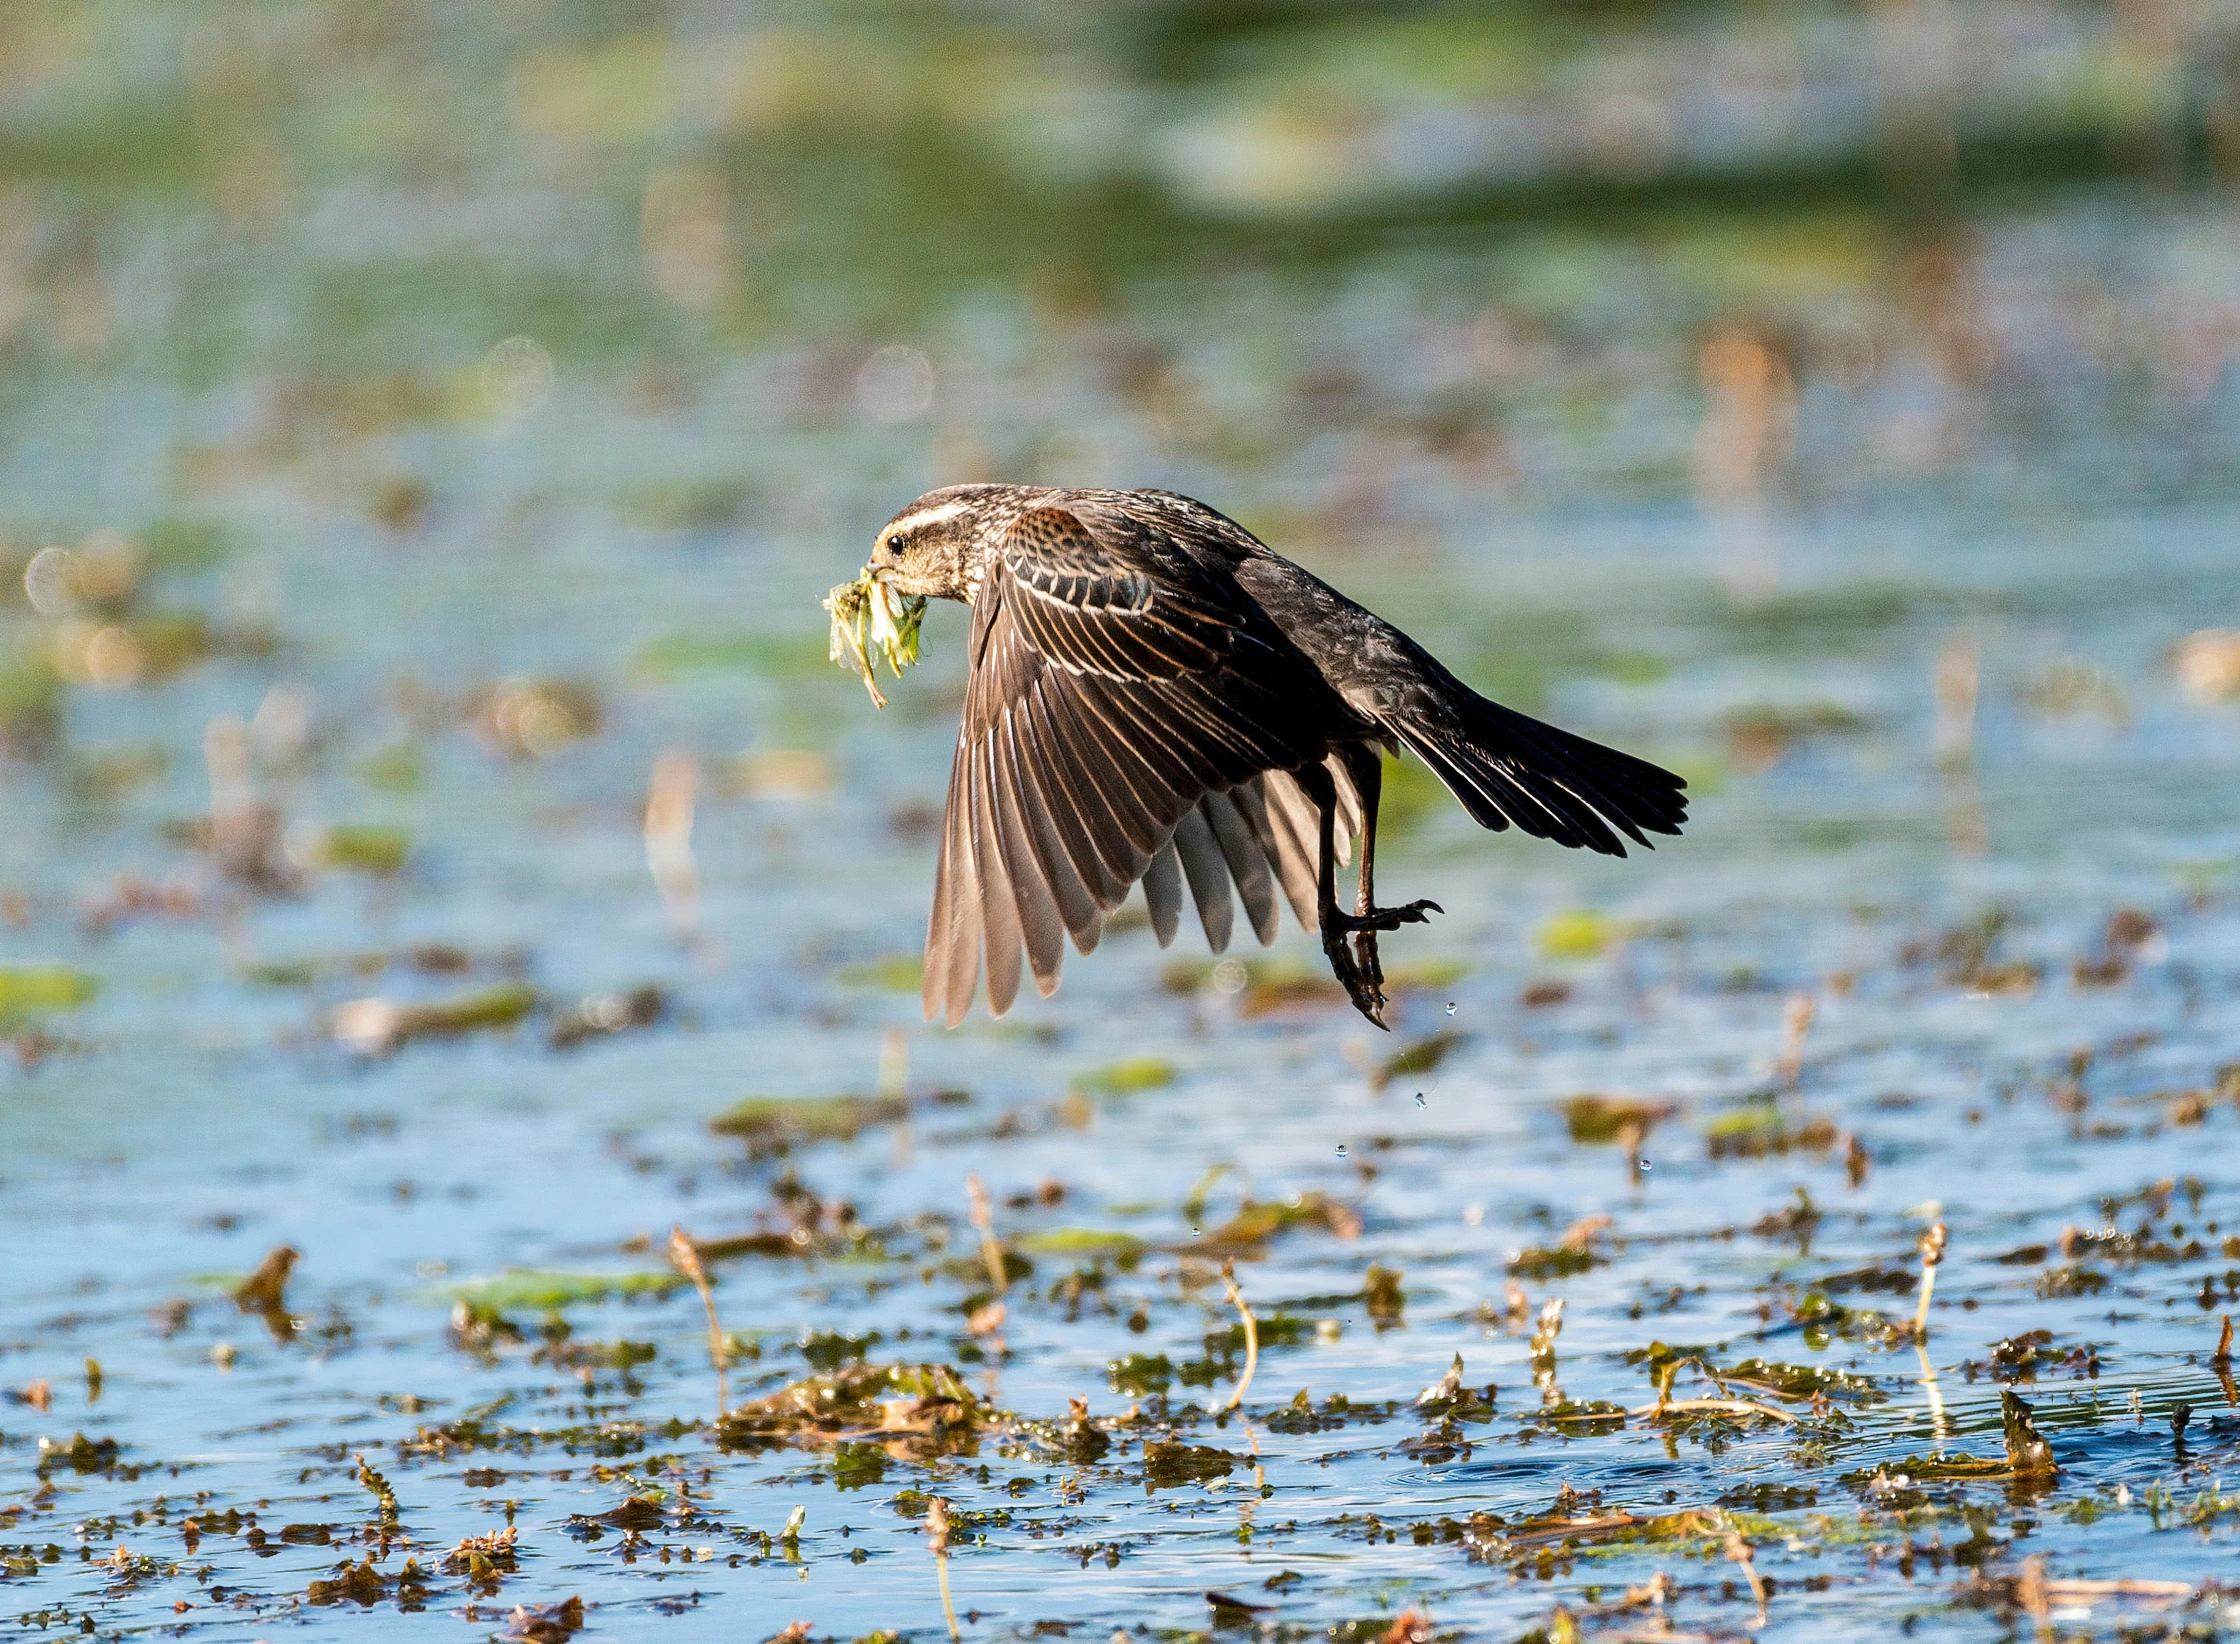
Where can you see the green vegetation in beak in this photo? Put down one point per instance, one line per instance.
(870, 621)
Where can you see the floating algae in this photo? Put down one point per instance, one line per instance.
(776, 1124)
(870, 621)
(925, 1402)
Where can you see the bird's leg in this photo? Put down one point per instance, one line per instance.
(1353, 962)
(1366, 769)
(1366, 996)
(1367, 772)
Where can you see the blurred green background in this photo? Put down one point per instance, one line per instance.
(520, 366)
(1505, 257)
(415, 363)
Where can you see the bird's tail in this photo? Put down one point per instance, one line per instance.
(1510, 769)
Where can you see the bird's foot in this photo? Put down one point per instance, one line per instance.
(1376, 919)
(1363, 982)
(1349, 940)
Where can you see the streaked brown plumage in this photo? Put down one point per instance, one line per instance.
(1155, 695)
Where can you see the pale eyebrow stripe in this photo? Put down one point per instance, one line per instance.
(927, 516)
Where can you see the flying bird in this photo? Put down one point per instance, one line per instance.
(1157, 696)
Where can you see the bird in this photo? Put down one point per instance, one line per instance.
(1156, 696)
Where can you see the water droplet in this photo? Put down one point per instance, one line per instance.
(1419, 1098)
(1193, 1232)
(1646, 1166)
(1341, 1150)
(1450, 1007)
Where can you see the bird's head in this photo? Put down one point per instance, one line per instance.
(940, 544)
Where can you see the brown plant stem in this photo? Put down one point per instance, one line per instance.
(984, 1219)
(937, 1537)
(1251, 1334)
(684, 1255)
(1932, 1253)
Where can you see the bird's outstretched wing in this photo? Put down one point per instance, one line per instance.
(1122, 701)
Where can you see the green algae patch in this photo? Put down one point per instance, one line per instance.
(857, 1466)
(365, 847)
(282, 973)
(398, 768)
(1578, 1522)
(1141, 1373)
(1176, 1464)
(31, 707)
(1560, 1261)
(1382, 1295)
(775, 1124)
(622, 1354)
(378, 1027)
(1581, 1417)
(904, 1401)
(736, 1245)
(1800, 1381)
(1937, 1469)
(1423, 1056)
(544, 1290)
(1760, 1130)
(973, 1270)
(833, 1349)
(1125, 1077)
(1596, 1121)
(896, 973)
(80, 1455)
(1082, 1241)
(1257, 1221)
(495, 1007)
(1825, 1320)
(184, 545)
(1580, 933)
(30, 991)
(366, 1586)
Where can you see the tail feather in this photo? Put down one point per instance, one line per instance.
(1509, 769)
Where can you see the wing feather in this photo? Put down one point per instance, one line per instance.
(999, 913)
(953, 940)
(1162, 893)
(1285, 822)
(1041, 921)
(1230, 813)
(1040, 803)
(1120, 692)
(1207, 870)
(1080, 819)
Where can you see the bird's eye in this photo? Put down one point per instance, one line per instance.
(894, 545)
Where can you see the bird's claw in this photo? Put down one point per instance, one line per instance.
(1354, 962)
(1376, 919)
(1350, 941)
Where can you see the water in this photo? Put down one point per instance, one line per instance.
(459, 593)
